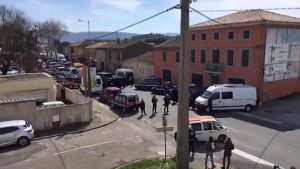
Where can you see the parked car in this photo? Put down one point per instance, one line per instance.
(228, 97)
(206, 126)
(108, 94)
(15, 132)
(148, 83)
(163, 89)
(125, 101)
(127, 74)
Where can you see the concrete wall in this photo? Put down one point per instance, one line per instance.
(75, 96)
(41, 118)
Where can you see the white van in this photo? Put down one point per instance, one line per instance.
(52, 104)
(228, 97)
(95, 87)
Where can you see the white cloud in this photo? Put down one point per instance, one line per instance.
(127, 5)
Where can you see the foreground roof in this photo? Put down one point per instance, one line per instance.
(249, 17)
(171, 43)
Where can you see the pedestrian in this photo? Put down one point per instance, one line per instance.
(209, 105)
(154, 104)
(175, 95)
(142, 107)
(166, 103)
(192, 141)
(228, 147)
(209, 148)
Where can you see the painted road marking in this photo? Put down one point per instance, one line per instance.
(260, 118)
(97, 144)
(253, 158)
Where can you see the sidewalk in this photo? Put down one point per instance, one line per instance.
(103, 116)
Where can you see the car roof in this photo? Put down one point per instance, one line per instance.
(12, 123)
(112, 88)
(202, 118)
(128, 94)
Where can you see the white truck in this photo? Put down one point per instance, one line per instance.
(227, 97)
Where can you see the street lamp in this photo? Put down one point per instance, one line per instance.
(89, 61)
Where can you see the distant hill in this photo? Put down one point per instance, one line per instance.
(73, 37)
(155, 38)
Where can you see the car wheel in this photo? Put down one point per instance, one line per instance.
(248, 108)
(222, 138)
(23, 141)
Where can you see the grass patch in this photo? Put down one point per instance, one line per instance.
(153, 163)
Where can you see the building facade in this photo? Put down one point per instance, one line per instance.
(254, 47)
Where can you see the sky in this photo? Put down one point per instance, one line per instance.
(111, 15)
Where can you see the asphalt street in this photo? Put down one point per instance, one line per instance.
(261, 140)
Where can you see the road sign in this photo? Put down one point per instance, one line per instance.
(163, 129)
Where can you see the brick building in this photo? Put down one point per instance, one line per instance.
(254, 47)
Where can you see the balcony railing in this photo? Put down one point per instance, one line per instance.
(214, 68)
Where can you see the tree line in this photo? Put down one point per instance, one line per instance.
(22, 40)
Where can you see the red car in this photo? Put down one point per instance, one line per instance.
(108, 94)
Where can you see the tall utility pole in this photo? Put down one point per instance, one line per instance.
(89, 61)
(182, 150)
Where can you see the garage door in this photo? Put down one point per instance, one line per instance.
(39, 95)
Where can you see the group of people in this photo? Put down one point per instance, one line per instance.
(167, 100)
(209, 149)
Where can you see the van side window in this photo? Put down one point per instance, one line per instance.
(216, 126)
(98, 81)
(207, 126)
(197, 126)
(226, 95)
(215, 96)
(8, 130)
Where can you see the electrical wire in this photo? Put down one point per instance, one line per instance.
(148, 18)
(206, 16)
(236, 10)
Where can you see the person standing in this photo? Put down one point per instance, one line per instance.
(142, 107)
(209, 105)
(154, 104)
(228, 147)
(175, 95)
(209, 148)
(192, 141)
(166, 103)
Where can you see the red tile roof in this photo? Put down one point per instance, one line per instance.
(249, 17)
(171, 43)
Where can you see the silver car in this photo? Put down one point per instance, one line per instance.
(15, 132)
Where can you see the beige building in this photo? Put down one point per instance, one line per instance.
(142, 65)
(39, 86)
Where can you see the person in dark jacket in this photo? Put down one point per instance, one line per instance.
(192, 141)
(154, 104)
(142, 107)
(209, 105)
(166, 104)
(228, 147)
(209, 148)
(175, 95)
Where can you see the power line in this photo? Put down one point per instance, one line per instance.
(148, 18)
(206, 16)
(236, 10)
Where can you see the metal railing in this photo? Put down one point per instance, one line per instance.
(214, 68)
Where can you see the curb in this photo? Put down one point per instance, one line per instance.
(76, 131)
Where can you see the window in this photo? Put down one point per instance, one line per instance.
(203, 36)
(7, 130)
(245, 58)
(246, 35)
(216, 56)
(216, 36)
(230, 57)
(217, 126)
(192, 55)
(236, 80)
(193, 36)
(164, 56)
(207, 126)
(215, 96)
(231, 35)
(177, 57)
(226, 95)
(131, 99)
(197, 126)
(203, 55)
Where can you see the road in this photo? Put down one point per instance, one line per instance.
(260, 139)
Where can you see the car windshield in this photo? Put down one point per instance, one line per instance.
(206, 94)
